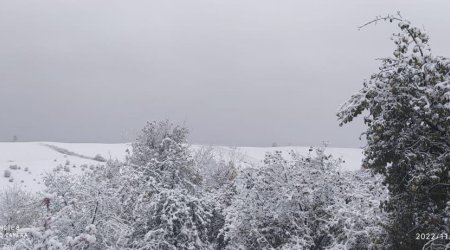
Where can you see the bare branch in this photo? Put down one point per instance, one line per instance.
(389, 18)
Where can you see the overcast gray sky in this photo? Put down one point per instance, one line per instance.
(238, 72)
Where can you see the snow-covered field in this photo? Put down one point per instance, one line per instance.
(27, 162)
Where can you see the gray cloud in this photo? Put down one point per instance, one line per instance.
(238, 72)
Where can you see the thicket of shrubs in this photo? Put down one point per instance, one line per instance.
(167, 196)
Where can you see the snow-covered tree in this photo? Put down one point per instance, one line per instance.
(408, 135)
(358, 219)
(159, 141)
(161, 151)
(167, 211)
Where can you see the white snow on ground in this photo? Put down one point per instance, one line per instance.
(38, 158)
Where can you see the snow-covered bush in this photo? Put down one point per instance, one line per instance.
(14, 167)
(273, 206)
(253, 220)
(171, 219)
(304, 203)
(17, 207)
(358, 219)
(7, 173)
(46, 233)
(93, 199)
(99, 157)
(219, 171)
(82, 210)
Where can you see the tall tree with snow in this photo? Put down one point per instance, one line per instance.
(407, 105)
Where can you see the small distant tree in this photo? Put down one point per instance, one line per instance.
(408, 133)
(15, 138)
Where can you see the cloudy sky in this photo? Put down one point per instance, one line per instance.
(237, 72)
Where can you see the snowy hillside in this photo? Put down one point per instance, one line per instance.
(27, 162)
